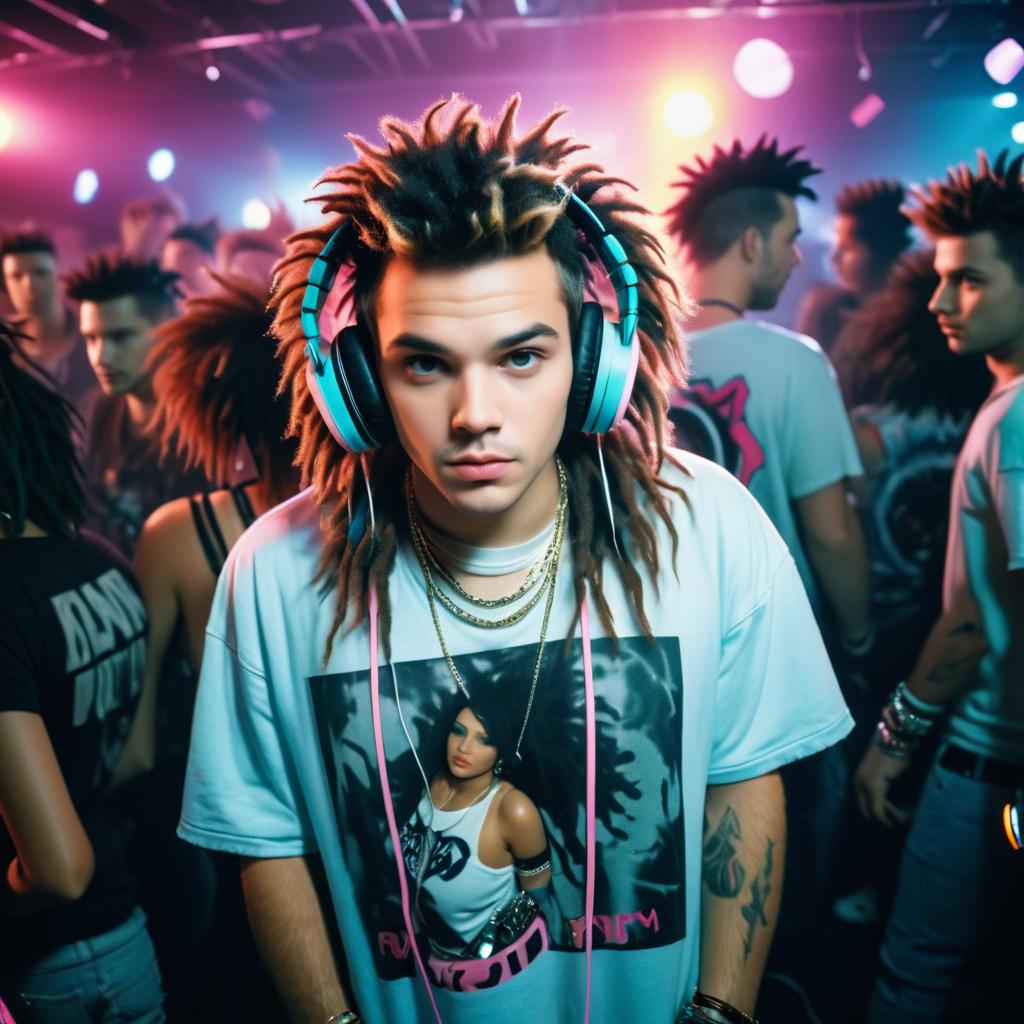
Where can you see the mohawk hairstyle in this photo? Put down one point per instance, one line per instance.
(880, 223)
(39, 471)
(203, 235)
(111, 274)
(891, 350)
(454, 190)
(733, 190)
(216, 377)
(969, 202)
(14, 243)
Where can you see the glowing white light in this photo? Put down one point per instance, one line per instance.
(86, 185)
(1004, 100)
(1017, 132)
(688, 114)
(212, 72)
(161, 164)
(255, 214)
(1004, 60)
(6, 128)
(763, 69)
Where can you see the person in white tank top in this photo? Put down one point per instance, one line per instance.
(473, 842)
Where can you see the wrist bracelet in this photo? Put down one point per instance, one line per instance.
(858, 646)
(893, 744)
(915, 704)
(705, 1009)
(345, 1017)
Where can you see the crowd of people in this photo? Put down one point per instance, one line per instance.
(587, 554)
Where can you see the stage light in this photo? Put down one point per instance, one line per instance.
(456, 12)
(86, 185)
(256, 214)
(763, 69)
(1017, 132)
(867, 110)
(6, 128)
(1004, 60)
(161, 164)
(522, 8)
(212, 72)
(688, 114)
(1004, 100)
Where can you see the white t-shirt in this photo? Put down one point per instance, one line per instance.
(986, 545)
(764, 403)
(736, 684)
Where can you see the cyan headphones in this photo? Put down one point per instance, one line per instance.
(347, 390)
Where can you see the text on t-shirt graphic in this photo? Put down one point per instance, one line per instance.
(640, 879)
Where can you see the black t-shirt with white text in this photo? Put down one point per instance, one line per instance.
(72, 650)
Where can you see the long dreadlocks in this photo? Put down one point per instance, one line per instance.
(453, 190)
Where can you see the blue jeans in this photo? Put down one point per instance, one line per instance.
(109, 979)
(955, 873)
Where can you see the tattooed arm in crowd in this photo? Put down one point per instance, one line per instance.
(744, 852)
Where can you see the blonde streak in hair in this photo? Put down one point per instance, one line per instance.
(495, 207)
(536, 135)
(506, 128)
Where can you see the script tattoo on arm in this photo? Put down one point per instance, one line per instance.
(754, 911)
(723, 873)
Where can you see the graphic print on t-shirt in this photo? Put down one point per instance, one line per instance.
(711, 422)
(104, 627)
(640, 879)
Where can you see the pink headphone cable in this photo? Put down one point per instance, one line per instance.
(389, 808)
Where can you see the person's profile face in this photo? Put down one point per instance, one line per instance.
(31, 281)
(851, 258)
(470, 750)
(979, 301)
(117, 340)
(779, 257)
(186, 259)
(476, 365)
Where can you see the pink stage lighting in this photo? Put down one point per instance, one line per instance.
(1004, 61)
(6, 128)
(688, 114)
(867, 110)
(763, 69)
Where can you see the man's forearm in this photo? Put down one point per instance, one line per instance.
(845, 576)
(743, 857)
(291, 934)
(954, 647)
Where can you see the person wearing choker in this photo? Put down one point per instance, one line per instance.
(495, 522)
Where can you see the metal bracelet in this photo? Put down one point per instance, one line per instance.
(345, 1017)
(894, 745)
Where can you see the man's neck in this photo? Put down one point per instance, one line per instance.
(140, 410)
(1008, 363)
(724, 292)
(48, 333)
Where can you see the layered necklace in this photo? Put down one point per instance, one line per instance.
(540, 582)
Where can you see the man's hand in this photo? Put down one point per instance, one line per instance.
(876, 772)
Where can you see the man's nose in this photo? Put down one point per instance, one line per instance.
(476, 407)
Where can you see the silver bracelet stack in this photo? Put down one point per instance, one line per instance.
(905, 721)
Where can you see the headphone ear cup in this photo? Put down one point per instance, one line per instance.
(352, 352)
(586, 353)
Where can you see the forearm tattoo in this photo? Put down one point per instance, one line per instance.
(963, 649)
(754, 911)
(723, 872)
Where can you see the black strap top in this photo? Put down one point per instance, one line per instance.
(208, 529)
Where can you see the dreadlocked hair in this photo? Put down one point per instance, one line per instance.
(875, 206)
(454, 190)
(111, 275)
(39, 471)
(203, 235)
(216, 377)
(732, 191)
(891, 350)
(969, 202)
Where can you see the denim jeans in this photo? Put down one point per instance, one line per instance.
(112, 978)
(956, 871)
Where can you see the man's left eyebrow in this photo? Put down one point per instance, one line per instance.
(537, 330)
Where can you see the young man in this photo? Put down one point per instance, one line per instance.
(957, 866)
(147, 223)
(189, 253)
(122, 302)
(29, 265)
(871, 233)
(476, 574)
(761, 400)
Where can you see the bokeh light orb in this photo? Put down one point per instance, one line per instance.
(160, 164)
(86, 186)
(688, 114)
(1004, 100)
(6, 128)
(1005, 61)
(1017, 132)
(255, 214)
(212, 72)
(763, 69)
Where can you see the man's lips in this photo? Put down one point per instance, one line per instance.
(460, 762)
(480, 467)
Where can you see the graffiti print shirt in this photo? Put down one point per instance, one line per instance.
(735, 684)
(764, 403)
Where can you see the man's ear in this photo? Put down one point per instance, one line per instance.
(751, 244)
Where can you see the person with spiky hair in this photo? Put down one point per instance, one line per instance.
(957, 868)
(627, 609)
(761, 400)
(28, 261)
(188, 252)
(871, 233)
(122, 302)
(146, 222)
(72, 647)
